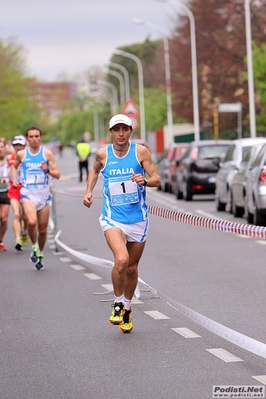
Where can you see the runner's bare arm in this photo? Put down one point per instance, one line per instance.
(93, 175)
(14, 169)
(153, 179)
(51, 168)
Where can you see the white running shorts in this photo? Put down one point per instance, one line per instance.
(135, 232)
(40, 197)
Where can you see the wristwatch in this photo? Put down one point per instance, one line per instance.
(145, 182)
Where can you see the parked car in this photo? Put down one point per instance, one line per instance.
(256, 190)
(163, 165)
(197, 169)
(238, 188)
(173, 165)
(227, 171)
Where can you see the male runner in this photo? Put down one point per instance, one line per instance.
(37, 164)
(19, 222)
(124, 218)
(4, 201)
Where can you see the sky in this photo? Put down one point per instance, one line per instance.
(67, 37)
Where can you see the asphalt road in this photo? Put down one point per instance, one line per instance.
(55, 338)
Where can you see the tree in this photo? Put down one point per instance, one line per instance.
(221, 50)
(259, 62)
(14, 102)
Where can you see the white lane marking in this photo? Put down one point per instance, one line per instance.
(260, 378)
(261, 242)
(52, 247)
(50, 241)
(92, 276)
(108, 287)
(186, 332)
(156, 315)
(58, 253)
(65, 259)
(77, 267)
(136, 301)
(224, 355)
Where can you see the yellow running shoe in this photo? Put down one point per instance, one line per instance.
(127, 326)
(25, 240)
(116, 317)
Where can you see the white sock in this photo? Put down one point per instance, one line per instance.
(119, 298)
(127, 303)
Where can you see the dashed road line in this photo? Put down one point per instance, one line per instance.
(186, 332)
(65, 259)
(156, 315)
(78, 267)
(260, 378)
(224, 355)
(108, 287)
(92, 276)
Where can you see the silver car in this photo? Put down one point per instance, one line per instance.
(229, 168)
(256, 190)
(238, 189)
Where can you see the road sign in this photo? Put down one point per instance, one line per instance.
(130, 108)
(230, 107)
(134, 122)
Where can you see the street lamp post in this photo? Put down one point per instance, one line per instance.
(114, 92)
(121, 81)
(167, 74)
(252, 112)
(141, 90)
(126, 77)
(193, 66)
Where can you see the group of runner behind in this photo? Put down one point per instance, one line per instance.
(24, 184)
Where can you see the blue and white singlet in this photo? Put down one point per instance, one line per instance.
(123, 200)
(33, 176)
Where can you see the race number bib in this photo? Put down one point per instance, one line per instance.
(35, 179)
(123, 191)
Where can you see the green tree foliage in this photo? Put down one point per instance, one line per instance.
(71, 126)
(259, 62)
(221, 50)
(14, 105)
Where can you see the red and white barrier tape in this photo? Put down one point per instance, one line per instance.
(214, 224)
(199, 221)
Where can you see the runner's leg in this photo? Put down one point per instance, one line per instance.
(43, 220)
(4, 209)
(117, 242)
(30, 211)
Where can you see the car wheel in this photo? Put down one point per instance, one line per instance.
(237, 211)
(166, 187)
(187, 194)
(220, 206)
(179, 194)
(229, 202)
(249, 217)
(258, 218)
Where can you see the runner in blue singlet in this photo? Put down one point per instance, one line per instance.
(38, 164)
(124, 217)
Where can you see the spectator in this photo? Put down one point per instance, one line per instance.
(83, 152)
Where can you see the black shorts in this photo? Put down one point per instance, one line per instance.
(4, 198)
